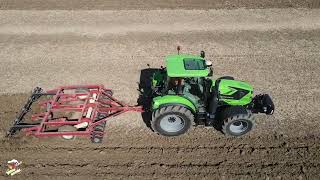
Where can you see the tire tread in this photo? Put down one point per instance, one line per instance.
(234, 113)
(171, 109)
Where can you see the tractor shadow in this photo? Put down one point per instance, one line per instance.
(215, 125)
(145, 94)
(218, 122)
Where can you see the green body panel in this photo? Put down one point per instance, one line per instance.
(176, 67)
(228, 88)
(243, 101)
(172, 99)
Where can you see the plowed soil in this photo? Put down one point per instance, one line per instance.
(275, 50)
(154, 4)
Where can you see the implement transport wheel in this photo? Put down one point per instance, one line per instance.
(67, 128)
(172, 120)
(237, 121)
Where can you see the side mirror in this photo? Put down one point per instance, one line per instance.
(178, 49)
(202, 54)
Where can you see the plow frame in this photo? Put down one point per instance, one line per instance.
(94, 103)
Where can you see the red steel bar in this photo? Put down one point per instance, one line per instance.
(96, 100)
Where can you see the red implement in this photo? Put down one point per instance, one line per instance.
(72, 111)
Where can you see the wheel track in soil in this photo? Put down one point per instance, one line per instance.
(263, 143)
(208, 166)
(284, 156)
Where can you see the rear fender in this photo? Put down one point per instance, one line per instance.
(161, 101)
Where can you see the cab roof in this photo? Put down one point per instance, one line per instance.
(184, 65)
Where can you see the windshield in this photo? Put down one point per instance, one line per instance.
(194, 64)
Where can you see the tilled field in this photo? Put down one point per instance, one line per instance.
(154, 4)
(276, 50)
(195, 155)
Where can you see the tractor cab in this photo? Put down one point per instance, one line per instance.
(189, 76)
(185, 75)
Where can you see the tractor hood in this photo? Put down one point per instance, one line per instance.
(235, 92)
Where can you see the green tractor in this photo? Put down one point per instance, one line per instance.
(184, 94)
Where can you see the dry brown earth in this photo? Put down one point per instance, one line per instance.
(276, 50)
(153, 4)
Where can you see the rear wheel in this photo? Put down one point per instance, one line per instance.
(237, 121)
(172, 120)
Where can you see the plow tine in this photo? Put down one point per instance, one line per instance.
(36, 94)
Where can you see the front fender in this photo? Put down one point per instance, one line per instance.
(159, 101)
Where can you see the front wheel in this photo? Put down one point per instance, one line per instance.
(237, 121)
(172, 120)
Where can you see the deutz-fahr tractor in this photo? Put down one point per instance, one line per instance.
(185, 94)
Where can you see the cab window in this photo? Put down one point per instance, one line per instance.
(194, 64)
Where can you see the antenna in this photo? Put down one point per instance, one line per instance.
(178, 49)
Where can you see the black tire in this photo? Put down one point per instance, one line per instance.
(161, 120)
(237, 121)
